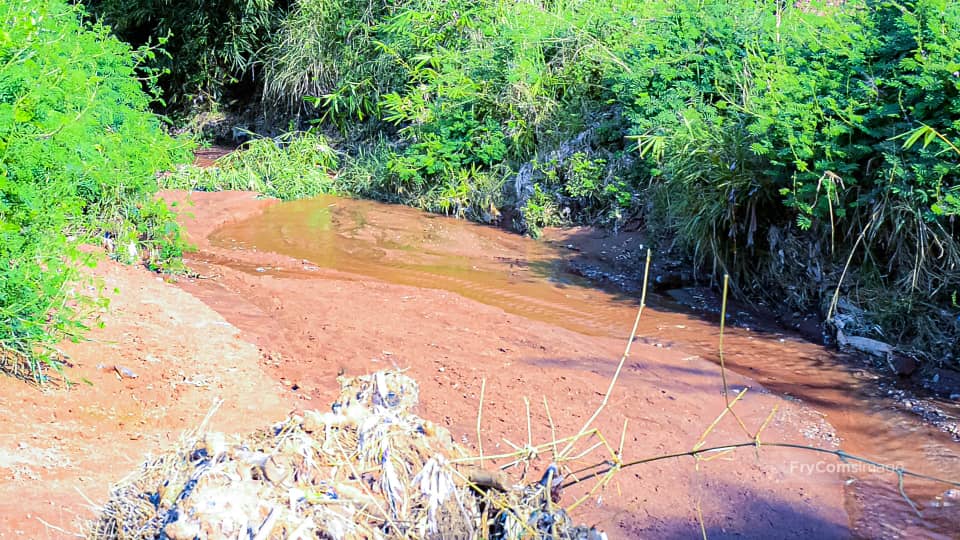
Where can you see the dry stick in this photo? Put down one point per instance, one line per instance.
(623, 438)
(526, 403)
(498, 503)
(723, 367)
(603, 442)
(904, 493)
(59, 530)
(623, 359)
(901, 472)
(728, 408)
(531, 454)
(268, 525)
(585, 452)
(703, 526)
(548, 495)
(602, 483)
(369, 493)
(699, 483)
(589, 468)
(539, 447)
(300, 531)
(553, 429)
(723, 320)
(206, 419)
(525, 454)
(483, 389)
(836, 293)
(714, 456)
(764, 425)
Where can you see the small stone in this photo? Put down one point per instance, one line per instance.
(125, 372)
(903, 365)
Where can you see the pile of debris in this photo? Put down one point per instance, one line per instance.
(369, 468)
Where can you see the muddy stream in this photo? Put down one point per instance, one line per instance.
(366, 240)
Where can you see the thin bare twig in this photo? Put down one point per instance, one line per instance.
(553, 429)
(838, 453)
(623, 359)
(483, 389)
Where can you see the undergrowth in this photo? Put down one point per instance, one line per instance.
(294, 166)
(79, 151)
(807, 149)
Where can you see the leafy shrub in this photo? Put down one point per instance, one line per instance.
(587, 189)
(541, 210)
(777, 141)
(294, 166)
(325, 54)
(486, 85)
(78, 157)
(782, 122)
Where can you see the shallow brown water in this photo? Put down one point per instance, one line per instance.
(525, 277)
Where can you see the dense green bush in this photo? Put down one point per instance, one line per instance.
(324, 57)
(776, 141)
(79, 152)
(488, 86)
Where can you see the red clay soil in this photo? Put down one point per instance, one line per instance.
(60, 447)
(270, 344)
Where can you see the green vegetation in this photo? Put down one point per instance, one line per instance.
(810, 151)
(297, 165)
(209, 46)
(777, 143)
(79, 153)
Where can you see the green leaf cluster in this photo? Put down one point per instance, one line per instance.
(765, 138)
(79, 152)
(293, 166)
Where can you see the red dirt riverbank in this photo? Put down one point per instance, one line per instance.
(274, 342)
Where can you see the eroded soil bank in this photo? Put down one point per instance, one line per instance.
(269, 332)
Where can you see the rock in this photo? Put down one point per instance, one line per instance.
(948, 382)
(903, 365)
(125, 372)
(864, 345)
(668, 280)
